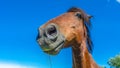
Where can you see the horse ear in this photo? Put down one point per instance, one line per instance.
(89, 16)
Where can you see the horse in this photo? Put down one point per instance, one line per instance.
(70, 29)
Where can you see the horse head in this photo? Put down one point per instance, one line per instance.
(64, 31)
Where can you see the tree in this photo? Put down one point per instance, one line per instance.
(115, 61)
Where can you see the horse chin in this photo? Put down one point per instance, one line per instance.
(51, 47)
(55, 50)
(52, 52)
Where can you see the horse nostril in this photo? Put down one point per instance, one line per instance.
(52, 30)
(38, 36)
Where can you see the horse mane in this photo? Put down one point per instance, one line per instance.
(87, 25)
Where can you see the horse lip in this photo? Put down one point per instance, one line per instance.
(56, 49)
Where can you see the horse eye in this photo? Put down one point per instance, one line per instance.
(78, 15)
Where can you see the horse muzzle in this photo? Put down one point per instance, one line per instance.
(50, 39)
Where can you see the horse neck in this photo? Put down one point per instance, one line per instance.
(82, 58)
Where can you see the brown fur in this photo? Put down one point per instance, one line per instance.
(76, 32)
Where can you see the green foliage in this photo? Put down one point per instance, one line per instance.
(115, 61)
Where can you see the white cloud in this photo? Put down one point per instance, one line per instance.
(118, 1)
(14, 65)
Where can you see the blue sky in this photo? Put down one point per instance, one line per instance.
(20, 19)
